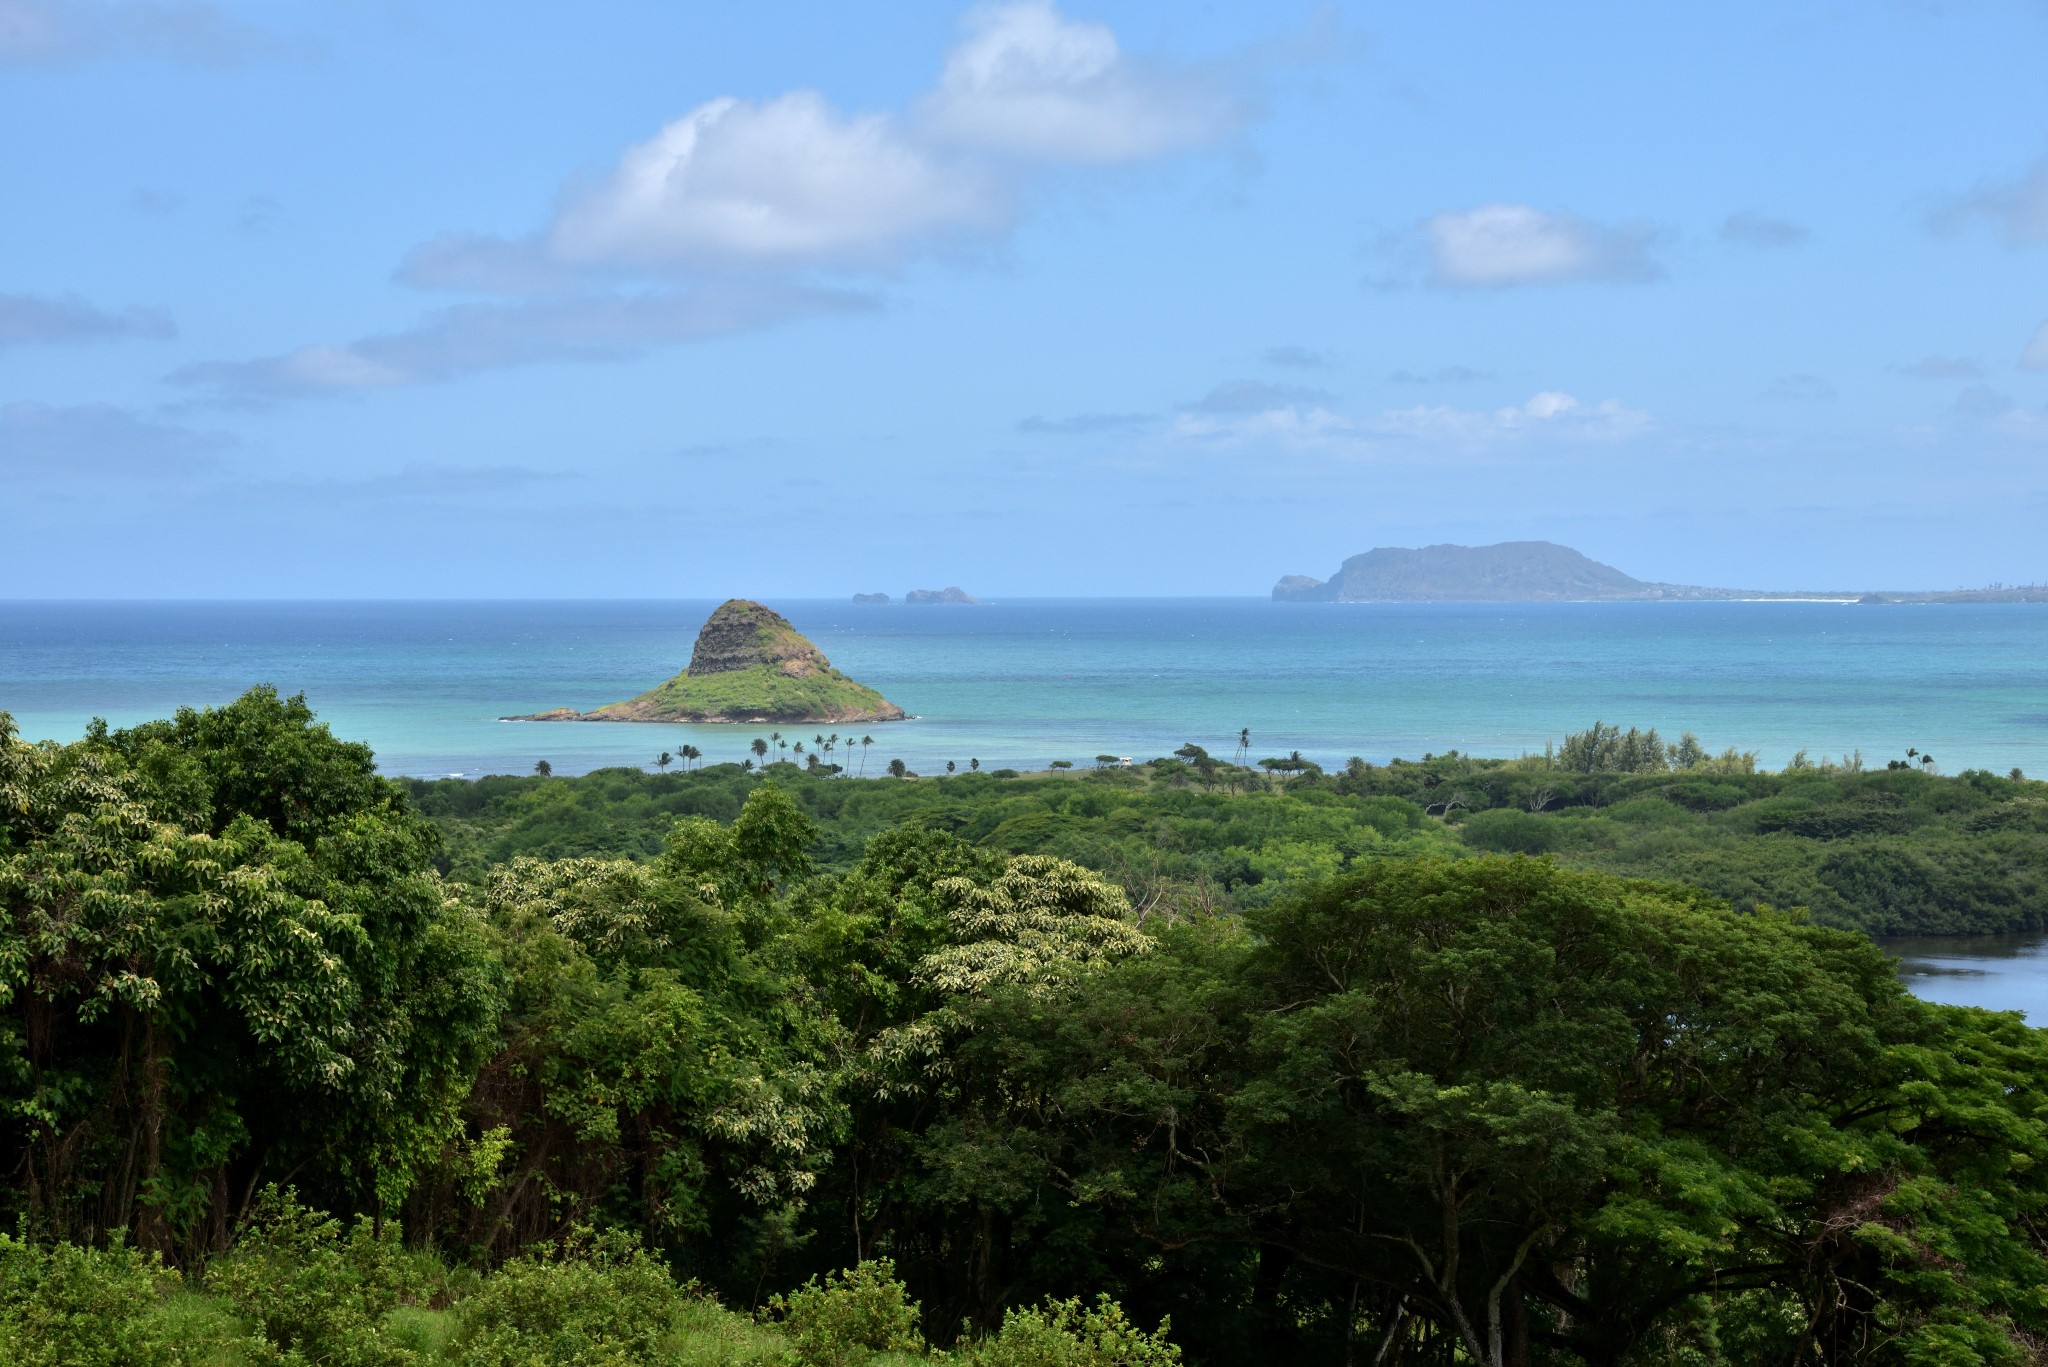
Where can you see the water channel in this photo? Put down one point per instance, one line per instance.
(1999, 972)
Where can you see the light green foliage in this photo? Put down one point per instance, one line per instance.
(642, 1036)
(1069, 1334)
(314, 1292)
(67, 1306)
(604, 1304)
(847, 1318)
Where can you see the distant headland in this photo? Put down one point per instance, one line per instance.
(749, 665)
(1542, 571)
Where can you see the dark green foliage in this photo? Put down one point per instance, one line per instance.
(1302, 1065)
(223, 953)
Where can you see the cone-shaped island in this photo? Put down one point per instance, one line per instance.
(749, 665)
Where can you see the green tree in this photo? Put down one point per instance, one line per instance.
(543, 768)
(898, 769)
(663, 760)
(223, 953)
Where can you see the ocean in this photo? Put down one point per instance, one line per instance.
(1024, 682)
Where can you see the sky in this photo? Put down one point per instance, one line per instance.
(374, 298)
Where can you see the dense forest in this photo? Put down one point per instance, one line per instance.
(1888, 849)
(1579, 1058)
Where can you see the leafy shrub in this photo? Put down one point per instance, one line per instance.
(849, 1317)
(1069, 1334)
(67, 1306)
(314, 1292)
(602, 1303)
(1505, 830)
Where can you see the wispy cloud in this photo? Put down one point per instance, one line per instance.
(2035, 357)
(49, 319)
(1499, 246)
(1084, 424)
(58, 444)
(472, 337)
(1941, 368)
(1450, 374)
(1254, 396)
(1296, 358)
(190, 32)
(2017, 209)
(1799, 389)
(1761, 230)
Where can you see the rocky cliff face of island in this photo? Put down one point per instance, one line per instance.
(951, 594)
(748, 665)
(871, 600)
(1513, 571)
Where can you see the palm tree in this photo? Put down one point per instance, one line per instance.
(797, 749)
(690, 753)
(898, 769)
(760, 749)
(1244, 743)
(746, 766)
(544, 769)
(950, 766)
(974, 766)
(663, 760)
(865, 742)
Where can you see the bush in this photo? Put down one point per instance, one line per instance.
(313, 1292)
(1069, 1334)
(68, 1306)
(1505, 830)
(849, 1317)
(602, 1303)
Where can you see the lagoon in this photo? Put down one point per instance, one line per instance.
(1025, 682)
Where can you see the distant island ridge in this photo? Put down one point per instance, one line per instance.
(951, 594)
(1542, 571)
(748, 665)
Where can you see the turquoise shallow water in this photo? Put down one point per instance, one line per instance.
(1026, 682)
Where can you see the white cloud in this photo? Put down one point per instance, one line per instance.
(2036, 355)
(2018, 208)
(789, 182)
(1287, 425)
(45, 319)
(764, 195)
(1549, 413)
(1501, 245)
(1028, 82)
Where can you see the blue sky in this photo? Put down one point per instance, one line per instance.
(392, 299)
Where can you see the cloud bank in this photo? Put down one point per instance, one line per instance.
(44, 320)
(739, 211)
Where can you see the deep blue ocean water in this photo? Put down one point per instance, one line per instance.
(1025, 682)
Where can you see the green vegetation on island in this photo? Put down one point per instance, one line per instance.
(1232, 1064)
(749, 665)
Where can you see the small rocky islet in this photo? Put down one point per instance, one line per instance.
(748, 665)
